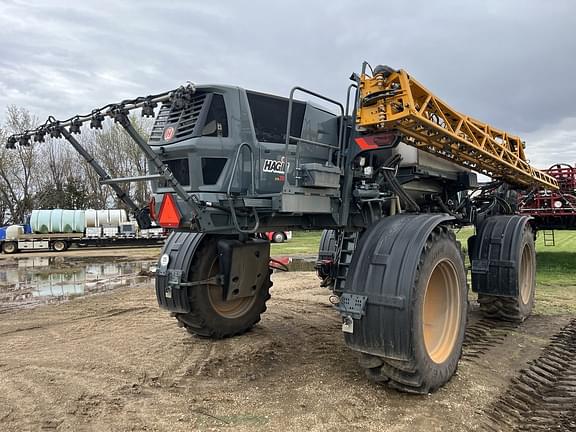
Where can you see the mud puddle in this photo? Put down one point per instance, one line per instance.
(26, 282)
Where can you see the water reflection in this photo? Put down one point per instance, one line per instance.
(36, 280)
(30, 281)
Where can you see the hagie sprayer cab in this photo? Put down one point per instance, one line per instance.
(388, 175)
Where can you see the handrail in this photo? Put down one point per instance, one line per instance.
(289, 127)
(350, 87)
(229, 189)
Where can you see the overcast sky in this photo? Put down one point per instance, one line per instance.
(510, 63)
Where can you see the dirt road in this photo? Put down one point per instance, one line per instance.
(115, 362)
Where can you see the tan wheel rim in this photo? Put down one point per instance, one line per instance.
(526, 277)
(228, 309)
(441, 311)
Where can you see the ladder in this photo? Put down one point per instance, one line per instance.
(391, 100)
(346, 251)
(549, 239)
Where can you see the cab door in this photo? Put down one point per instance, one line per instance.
(269, 118)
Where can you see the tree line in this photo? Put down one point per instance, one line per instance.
(53, 175)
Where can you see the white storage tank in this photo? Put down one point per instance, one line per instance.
(98, 218)
(91, 219)
(57, 221)
(117, 217)
(13, 232)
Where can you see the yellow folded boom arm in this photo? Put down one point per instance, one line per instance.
(392, 100)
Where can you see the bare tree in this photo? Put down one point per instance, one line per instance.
(61, 183)
(122, 157)
(17, 167)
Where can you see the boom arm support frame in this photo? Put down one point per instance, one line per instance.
(119, 112)
(142, 215)
(392, 100)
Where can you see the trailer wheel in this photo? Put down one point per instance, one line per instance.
(211, 315)
(9, 247)
(278, 237)
(59, 245)
(437, 320)
(516, 308)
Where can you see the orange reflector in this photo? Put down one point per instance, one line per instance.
(152, 208)
(169, 216)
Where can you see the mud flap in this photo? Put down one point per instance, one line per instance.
(244, 266)
(494, 254)
(378, 294)
(173, 268)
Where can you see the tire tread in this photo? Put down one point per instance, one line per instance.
(195, 321)
(402, 375)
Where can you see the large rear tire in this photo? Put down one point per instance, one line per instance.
(518, 307)
(438, 311)
(211, 315)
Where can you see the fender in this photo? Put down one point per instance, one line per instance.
(173, 268)
(382, 275)
(494, 254)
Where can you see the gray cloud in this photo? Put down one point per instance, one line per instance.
(553, 144)
(509, 63)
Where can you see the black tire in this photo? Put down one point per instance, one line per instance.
(9, 247)
(328, 245)
(59, 245)
(207, 317)
(519, 307)
(434, 360)
(278, 237)
(327, 253)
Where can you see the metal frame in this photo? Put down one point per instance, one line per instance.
(397, 101)
(298, 140)
(553, 209)
(229, 191)
(119, 112)
(104, 176)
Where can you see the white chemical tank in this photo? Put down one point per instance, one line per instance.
(97, 218)
(13, 232)
(57, 221)
(411, 156)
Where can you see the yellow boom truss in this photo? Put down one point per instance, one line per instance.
(392, 100)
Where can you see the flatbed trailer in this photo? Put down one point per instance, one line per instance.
(60, 242)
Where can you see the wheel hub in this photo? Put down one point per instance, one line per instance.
(226, 308)
(526, 274)
(441, 311)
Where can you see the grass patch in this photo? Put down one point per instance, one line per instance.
(302, 243)
(555, 274)
(555, 268)
(555, 300)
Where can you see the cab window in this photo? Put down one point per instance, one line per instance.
(270, 115)
(216, 123)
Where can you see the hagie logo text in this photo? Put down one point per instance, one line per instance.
(276, 166)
